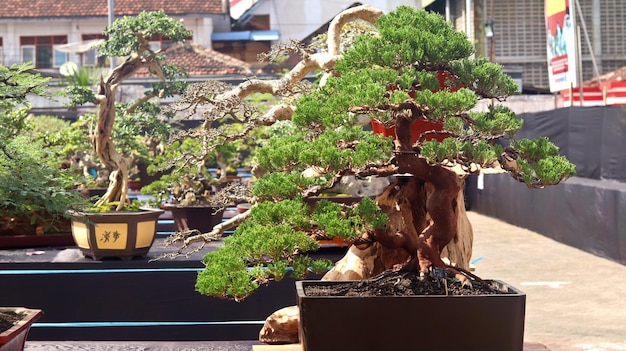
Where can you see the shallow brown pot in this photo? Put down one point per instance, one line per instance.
(115, 234)
(442, 323)
(18, 232)
(14, 338)
(202, 218)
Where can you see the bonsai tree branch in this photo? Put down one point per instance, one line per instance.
(186, 240)
(224, 99)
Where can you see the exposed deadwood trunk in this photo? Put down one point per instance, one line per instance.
(105, 149)
(407, 216)
(103, 144)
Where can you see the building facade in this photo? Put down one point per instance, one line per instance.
(519, 35)
(52, 32)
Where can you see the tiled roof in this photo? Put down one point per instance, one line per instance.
(200, 61)
(98, 8)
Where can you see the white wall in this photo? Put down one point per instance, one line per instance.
(298, 19)
(202, 27)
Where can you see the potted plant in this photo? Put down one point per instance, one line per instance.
(15, 323)
(416, 229)
(124, 232)
(36, 186)
(189, 192)
(197, 178)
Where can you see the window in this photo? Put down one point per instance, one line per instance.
(40, 50)
(1, 53)
(155, 45)
(91, 58)
(158, 42)
(28, 53)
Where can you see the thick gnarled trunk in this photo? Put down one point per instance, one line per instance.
(105, 149)
(405, 202)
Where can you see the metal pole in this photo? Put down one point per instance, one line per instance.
(492, 52)
(111, 5)
(584, 27)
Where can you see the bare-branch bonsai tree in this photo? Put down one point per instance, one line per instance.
(129, 37)
(414, 69)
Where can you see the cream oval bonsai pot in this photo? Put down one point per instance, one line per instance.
(121, 234)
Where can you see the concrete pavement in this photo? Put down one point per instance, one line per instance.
(575, 300)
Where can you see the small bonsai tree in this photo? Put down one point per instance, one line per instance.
(129, 37)
(36, 188)
(414, 69)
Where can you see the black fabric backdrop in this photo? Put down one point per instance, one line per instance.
(587, 211)
(593, 138)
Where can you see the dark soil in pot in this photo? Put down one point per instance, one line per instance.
(403, 284)
(8, 319)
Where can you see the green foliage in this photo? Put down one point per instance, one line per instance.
(483, 153)
(348, 223)
(174, 83)
(275, 241)
(277, 186)
(79, 95)
(225, 275)
(129, 37)
(30, 187)
(133, 206)
(534, 150)
(539, 162)
(281, 153)
(125, 33)
(185, 181)
(333, 150)
(16, 82)
(80, 76)
(484, 77)
(498, 121)
(132, 130)
(436, 152)
(32, 182)
(270, 242)
(406, 37)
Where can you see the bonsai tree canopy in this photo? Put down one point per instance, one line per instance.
(414, 69)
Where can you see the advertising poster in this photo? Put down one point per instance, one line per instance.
(561, 41)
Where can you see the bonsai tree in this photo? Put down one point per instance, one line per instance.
(413, 70)
(129, 37)
(184, 173)
(188, 185)
(36, 188)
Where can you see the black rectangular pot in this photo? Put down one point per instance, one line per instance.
(441, 323)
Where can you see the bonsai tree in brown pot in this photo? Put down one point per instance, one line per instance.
(189, 191)
(36, 187)
(127, 37)
(414, 68)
